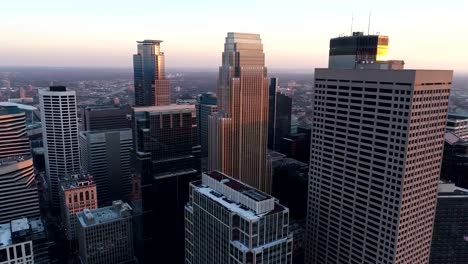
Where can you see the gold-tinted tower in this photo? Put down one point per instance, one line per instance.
(239, 131)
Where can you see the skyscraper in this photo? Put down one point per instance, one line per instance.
(106, 117)
(77, 192)
(450, 239)
(227, 221)
(167, 155)
(151, 86)
(206, 105)
(376, 151)
(60, 134)
(18, 190)
(279, 116)
(239, 131)
(106, 155)
(105, 235)
(348, 51)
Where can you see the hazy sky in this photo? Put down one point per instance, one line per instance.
(295, 33)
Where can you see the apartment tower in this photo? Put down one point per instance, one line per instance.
(18, 190)
(239, 131)
(60, 134)
(151, 86)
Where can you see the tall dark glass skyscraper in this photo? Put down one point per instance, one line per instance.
(206, 105)
(151, 85)
(239, 131)
(348, 51)
(167, 155)
(279, 116)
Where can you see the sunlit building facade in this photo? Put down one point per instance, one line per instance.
(346, 52)
(60, 134)
(376, 151)
(77, 192)
(239, 131)
(151, 85)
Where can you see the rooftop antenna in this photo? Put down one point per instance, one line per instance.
(352, 22)
(368, 25)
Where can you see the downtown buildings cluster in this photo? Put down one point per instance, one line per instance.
(225, 180)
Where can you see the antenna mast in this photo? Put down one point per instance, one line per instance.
(352, 22)
(368, 25)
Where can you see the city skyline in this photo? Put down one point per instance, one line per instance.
(88, 35)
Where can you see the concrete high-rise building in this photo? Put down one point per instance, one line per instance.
(239, 131)
(227, 221)
(77, 192)
(18, 189)
(346, 52)
(458, 125)
(106, 117)
(450, 238)
(105, 235)
(60, 135)
(24, 241)
(106, 155)
(151, 86)
(376, 152)
(279, 116)
(206, 106)
(167, 155)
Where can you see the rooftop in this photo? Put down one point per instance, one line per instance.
(449, 190)
(455, 117)
(236, 196)
(5, 235)
(452, 138)
(163, 108)
(76, 181)
(13, 160)
(18, 228)
(118, 210)
(19, 225)
(150, 41)
(57, 88)
(20, 106)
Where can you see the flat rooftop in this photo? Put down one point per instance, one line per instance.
(19, 225)
(237, 185)
(78, 182)
(164, 108)
(20, 106)
(455, 117)
(237, 196)
(5, 235)
(150, 41)
(13, 160)
(118, 210)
